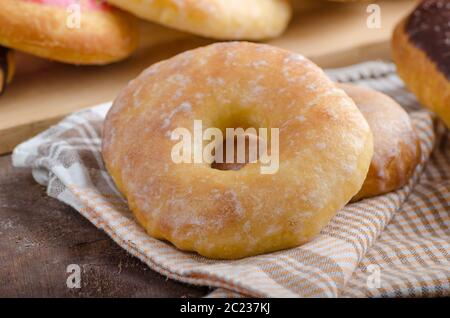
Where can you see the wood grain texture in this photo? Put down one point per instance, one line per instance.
(40, 237)
(334, 34)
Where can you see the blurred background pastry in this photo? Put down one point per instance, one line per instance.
(229, 20)
(77, 32)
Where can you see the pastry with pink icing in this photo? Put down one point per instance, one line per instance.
(70, 31)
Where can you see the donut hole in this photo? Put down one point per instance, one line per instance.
(246, 149)
(245, 143)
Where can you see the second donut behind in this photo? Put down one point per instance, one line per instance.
(396, 146)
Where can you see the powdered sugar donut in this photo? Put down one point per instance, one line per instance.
(324, 152)
(71, 31)
(221, 19)
(396, 145)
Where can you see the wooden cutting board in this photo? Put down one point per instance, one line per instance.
(331, 34)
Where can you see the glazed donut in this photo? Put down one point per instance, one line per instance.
(54, 29)
(220, 19)
(6, 67)
(325, 149)
(421, 46)
(396, 146)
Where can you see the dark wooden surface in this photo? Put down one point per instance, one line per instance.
(40, 237)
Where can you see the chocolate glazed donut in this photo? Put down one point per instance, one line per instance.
(6, 67)
(429, 29)
(421, 50)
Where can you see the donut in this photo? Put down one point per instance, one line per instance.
(396, 145)
(324, 149)
(227, 20)
(6, 68)
(70, 31)
(420, 49)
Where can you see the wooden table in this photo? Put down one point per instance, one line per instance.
(40, 237)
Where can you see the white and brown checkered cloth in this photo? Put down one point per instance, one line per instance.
(390, 246)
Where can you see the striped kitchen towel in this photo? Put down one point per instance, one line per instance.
(393, 245)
